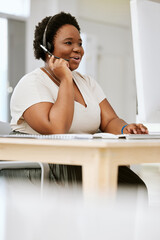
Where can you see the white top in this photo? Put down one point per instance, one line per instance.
(37, 87)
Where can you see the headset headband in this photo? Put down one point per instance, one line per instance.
(47, 45)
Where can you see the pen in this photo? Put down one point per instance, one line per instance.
(45, 49)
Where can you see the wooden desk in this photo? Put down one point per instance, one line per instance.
(99, 158)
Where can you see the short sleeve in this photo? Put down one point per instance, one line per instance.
(95, 88)
(30, 90)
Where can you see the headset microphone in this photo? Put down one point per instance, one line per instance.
(46, 50)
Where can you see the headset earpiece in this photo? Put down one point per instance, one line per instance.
(49, 46)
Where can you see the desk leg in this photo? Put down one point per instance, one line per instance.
(100, 176)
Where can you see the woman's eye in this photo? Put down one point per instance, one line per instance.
(80, 44)
(68, 43)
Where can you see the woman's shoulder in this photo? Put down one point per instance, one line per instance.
(31, 77)
(78, 76)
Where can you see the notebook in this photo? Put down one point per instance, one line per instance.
(50, 136)
(155, 135)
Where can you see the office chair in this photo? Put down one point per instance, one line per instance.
(6, 129)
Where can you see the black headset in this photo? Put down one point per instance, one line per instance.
(45, 43)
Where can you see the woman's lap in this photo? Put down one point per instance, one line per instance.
(73, 174)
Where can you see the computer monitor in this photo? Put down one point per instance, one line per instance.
(145, 23)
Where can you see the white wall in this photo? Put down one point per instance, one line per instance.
(107, 22)
(115, 12)
(115, 69)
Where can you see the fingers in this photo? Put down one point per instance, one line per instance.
(56, 61)
(143, 129)
(136, 129)
(60, 68)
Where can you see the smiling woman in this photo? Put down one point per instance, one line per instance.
(56, 99)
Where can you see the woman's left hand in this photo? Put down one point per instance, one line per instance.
(135, 129)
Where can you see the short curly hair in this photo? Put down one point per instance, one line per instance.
(53, 24)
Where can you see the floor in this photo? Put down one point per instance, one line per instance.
(150, 173)
(41, 218)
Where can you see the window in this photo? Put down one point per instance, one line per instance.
(17, 7)
(3, 69)
(13, 15)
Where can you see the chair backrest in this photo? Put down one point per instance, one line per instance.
(4, 128)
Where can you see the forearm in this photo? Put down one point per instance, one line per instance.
(61, 113)
(114, 126)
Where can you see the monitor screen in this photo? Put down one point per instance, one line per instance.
(145, 22)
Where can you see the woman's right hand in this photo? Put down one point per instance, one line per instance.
(54, 118)
(60, 68)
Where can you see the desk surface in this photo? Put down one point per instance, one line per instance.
(101, 143)
(99, 158)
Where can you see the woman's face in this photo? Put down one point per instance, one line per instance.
(68, 44)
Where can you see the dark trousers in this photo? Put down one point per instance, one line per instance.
(73, 174)
(128, 181)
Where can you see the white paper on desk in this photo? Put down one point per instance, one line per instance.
(108, 135)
